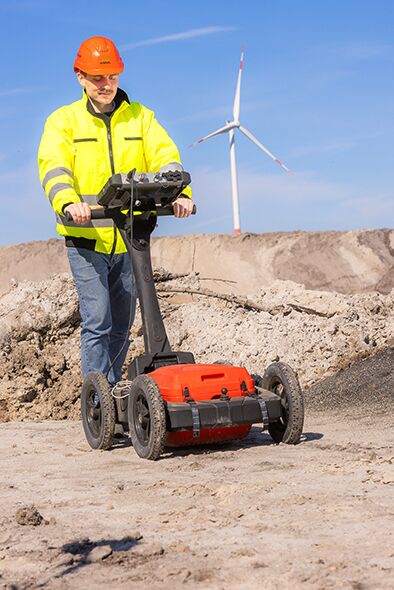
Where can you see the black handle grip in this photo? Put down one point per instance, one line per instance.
(169, 210)
(97, 213)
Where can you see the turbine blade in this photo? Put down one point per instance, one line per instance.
(237, 97)
(262, 147)
(213, 134)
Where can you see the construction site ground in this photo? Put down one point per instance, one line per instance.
(238, 515)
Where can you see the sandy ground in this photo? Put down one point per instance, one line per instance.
(316, 515)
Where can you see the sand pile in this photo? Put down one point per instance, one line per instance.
(346, 262)
(317, 333)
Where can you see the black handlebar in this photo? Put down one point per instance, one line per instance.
(107, 212)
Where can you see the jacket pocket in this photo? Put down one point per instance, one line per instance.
(81, 139)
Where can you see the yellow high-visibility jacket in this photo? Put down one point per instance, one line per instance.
(80, 149)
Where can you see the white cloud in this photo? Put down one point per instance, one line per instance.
(300, 201)
(310, 150)
(259, 186)
(19, 90)
(339, 144)
(363, 50)
(377, 209)
(269, 201)
(27, 175)
(23, 201)
(352, 51)
(177, 37)
(27, 170)
(223, 112)
(220, 112)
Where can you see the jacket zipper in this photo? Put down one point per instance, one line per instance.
(111, 159)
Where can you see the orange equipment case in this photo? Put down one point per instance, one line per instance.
(184, 387)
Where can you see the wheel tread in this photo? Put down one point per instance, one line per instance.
(158, 418)
(100, 384)
(289, 379)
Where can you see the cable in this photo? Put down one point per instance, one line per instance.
(119, 388)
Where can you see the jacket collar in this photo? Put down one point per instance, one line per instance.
(120, 97)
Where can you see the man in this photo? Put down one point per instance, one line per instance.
(83, 144)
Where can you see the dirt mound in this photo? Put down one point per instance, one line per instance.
(347, 262)
(386, 283)
(35, 261)
(28, 516)
(317, 333)
(39, 350)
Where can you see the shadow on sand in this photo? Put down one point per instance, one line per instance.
(256, 438)
(81, 551)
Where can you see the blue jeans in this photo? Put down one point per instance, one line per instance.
(107, 297)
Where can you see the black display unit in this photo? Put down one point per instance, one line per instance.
(152, 191)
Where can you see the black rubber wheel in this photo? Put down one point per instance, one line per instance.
(282, 380)
(98, 411)
(147, 418)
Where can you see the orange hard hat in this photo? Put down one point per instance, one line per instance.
(98, 56)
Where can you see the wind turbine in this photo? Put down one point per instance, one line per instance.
(229, 128)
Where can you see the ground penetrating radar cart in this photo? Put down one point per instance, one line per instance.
(169, 400)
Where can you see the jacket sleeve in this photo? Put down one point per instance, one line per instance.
(55, 162)
(158, 146)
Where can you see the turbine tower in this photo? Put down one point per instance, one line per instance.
(229, 128)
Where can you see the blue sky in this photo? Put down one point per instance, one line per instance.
(317, 90)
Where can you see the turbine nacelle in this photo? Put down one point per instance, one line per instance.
(232, 124)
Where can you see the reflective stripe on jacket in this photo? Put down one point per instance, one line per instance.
(80, 149)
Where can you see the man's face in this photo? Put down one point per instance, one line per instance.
(100, 89)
